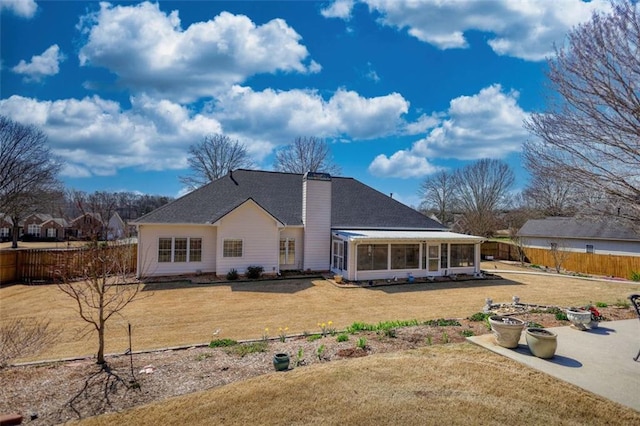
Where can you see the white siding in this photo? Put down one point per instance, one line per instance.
(260, 236)
(148, 236)
(298, 235)
(316, 217)
(618, 248)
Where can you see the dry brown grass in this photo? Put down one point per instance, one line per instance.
(457, 384)
(185, 313)
(43, 244)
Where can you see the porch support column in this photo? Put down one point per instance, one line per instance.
(477, 252)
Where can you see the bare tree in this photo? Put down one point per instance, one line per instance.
(28, 170)
(105, 286)
(591, 128)
(482, 188)
(214, 157)
(438, 194)
(559, 254)
(22, 337)
(306, 154)
(550, 193)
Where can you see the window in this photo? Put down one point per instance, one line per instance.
(195, 249)
(180, 250)
(287, 251)
(434, 257)
(373, 257)
(590, 248)
(232, 248)
(34, 230)
(4, 232)
(554, 246)
(51, 232)
(338, 254)
(404, 256)
(462, 255)
(164, 250)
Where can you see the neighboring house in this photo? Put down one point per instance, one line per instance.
(116, 228)
(581, 236)
(86, 226)
(6, 227)
(284, 221)
(32, 225)
(55, 228)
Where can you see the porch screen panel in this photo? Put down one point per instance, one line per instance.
(462, 255)
(372, 257)
(405, 256)
(434, 258)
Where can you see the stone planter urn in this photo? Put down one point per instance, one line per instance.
(579, 318)
(507, 330)
(281, 361)
(337, 279)
(542, 343)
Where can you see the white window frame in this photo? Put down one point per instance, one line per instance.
(233, 240)
(34, 229)
(4, 232)
(172, 257)
(590, 249)
(289, 255)
(51, 232)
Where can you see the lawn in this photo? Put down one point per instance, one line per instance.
(455, 384)
(182, 313)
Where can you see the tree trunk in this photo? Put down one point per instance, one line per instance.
(14, 236)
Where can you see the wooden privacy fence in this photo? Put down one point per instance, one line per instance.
(499, 250)
(588, 263)
(47, 265)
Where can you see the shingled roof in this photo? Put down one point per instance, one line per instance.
(354, 204)
(568, 227)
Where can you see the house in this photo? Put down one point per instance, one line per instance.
(55, 228)
(580, 235)
(6, 227)
(86, 226)
(116, 228)
(32, 225)
(285, 221)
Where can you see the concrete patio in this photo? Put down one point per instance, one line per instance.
(599, 360)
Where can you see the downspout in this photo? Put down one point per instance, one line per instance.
(139, 251)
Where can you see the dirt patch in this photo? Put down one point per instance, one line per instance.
(51, 393)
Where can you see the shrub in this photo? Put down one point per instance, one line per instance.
(635, 276)
(249, 348)
(219, 343)
(342, 337)
(601, 305)
(441, 322)
(254, 272)
(467, 333)
(479, 316)
(232, 275)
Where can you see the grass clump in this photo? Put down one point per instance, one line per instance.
(441, 322)
(221, 343)
(342, 337)
(467, 333)
(249, 348)
(314, 337)
(601, 305)
(478, 317)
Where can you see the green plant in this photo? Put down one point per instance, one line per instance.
(249, 348)
(362, 343)
(320, 352)
(479, 316)
(429, 340)
(622, 304)
(232, 275)
(601, 305)
(389, 332)
(342, 337)
(254, 272)
(445, 337)
(559, 313)
(467, 333)
(635, 276)
(360, 326)
(299, 358)
(314, 337)
(534, 325)
(219, 343)
(441, 322)
(282, 334)
(327, 328)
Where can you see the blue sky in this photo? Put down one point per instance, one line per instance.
(399, 89)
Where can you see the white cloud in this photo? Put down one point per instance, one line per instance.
(402, 164)
(150, 52)
(524, 29)
(278, 116)
(22, 8)
(41, 65)
(95, 136)
(338, 9)
(485, 125)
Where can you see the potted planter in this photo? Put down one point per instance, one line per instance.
(337, 279)
(281, 361)
(507, 330)
(542, 343)
(579, 318)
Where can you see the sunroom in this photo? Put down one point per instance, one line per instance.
(360, 255)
